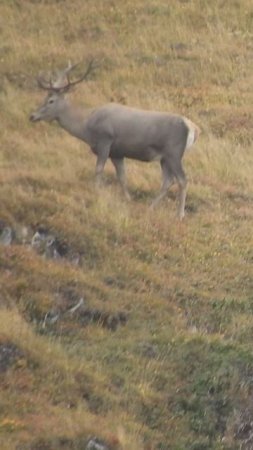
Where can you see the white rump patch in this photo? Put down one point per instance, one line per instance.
(191, 133)
(190, 138)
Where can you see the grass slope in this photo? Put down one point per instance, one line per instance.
(178, 375)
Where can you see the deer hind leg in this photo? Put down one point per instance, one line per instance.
(121, 175)
(182, 196)
(167, 181)
(182, 184)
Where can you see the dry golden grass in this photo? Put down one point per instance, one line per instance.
(178, 375)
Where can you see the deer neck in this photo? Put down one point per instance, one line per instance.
(73, 119)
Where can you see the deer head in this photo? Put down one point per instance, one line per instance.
(56, 89)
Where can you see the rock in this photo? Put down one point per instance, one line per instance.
(38, 240)
(9, 353)
(50, 318)
(22, 234)
(96, 444)
(6, 236)
(50, 246)
(6, 233)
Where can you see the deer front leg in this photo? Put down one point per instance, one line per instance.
(121, 175)
(102, 152)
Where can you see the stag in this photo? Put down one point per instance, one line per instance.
(117, 131)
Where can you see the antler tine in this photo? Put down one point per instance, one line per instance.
(60, 78)
(90, 67)
(63, 75)
(58, 84)
(67, 70)
(43, 84)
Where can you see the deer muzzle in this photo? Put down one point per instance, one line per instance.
(34, 117)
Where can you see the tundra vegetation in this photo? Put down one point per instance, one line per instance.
(121, 326)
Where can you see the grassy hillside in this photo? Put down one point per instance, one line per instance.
(159, 354)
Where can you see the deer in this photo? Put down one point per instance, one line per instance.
(115, 131)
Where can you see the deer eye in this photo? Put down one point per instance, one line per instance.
(50, 101)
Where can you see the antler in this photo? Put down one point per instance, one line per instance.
(58, 84)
